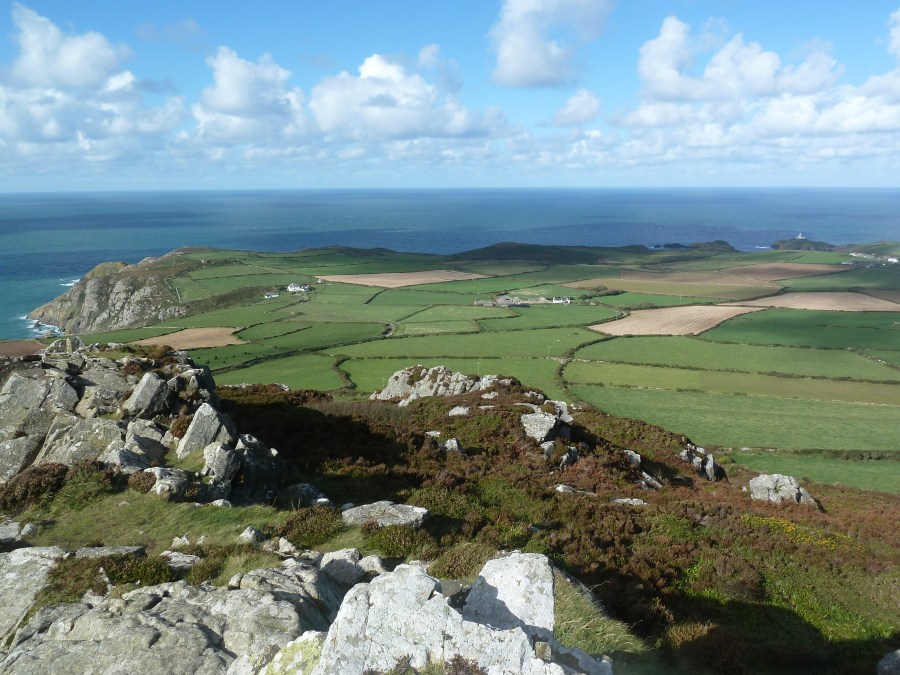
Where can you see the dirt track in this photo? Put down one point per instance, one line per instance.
(689, 320)
(195, 338)
(399, 279)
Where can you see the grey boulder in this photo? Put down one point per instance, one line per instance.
(386, 513)
(149, 398)
(778, 488)
(207, 426)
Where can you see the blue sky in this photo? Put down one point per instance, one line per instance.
(120, 95)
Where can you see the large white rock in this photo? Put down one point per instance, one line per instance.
(150, 397)
(516, 591)
(23, 574)
(778, 488)
(207, 426)
(386, 513)
(539, 425)
(400, 615)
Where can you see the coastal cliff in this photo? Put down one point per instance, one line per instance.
(116, 295)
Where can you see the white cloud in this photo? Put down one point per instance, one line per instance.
(248, 102)
(582, 108)
(385, 101)
(430, 56)
(47, 57)
(528, 53)
(894, 34)
(67, 100)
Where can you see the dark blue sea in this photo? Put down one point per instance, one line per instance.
(47, 241)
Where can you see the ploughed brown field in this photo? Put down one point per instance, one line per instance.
(687, 320)
(399, 279)
(195, 338)
(775, 271)
(837, 301)
(19, 347)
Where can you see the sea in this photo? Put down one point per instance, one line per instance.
(48, 241)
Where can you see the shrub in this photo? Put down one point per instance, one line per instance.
(141, 481)
(312, 526)
(462, 561)
(399, 541)
(180, 424)
(133, 569)
(35, 485)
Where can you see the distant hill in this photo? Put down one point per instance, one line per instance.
(589, 255)
(802, 245)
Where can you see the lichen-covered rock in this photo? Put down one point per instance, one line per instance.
(889, 664)
(419, 382)
(251, 535)
(516, 591)
(24, 574)
(298, 657)
(17, 454)
(85, 439)
(175, 627)
(401, 615)
(540, 426)
(343, 566)
(207, 426)
(149, 398)
(170, 483)
(386, 513)
(221, 462)
(778, 488)
(180, 562)
(104, 551)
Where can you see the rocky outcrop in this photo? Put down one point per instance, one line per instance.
(112, 296)
(402, 615)
(23, 573)
(208, 426)
(177, 628)
(386, 513)
(511, 592)
(419, 382)
(703, 462)
(777, 488)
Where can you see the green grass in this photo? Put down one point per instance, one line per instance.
(270, 330)
(547, 316)
(864, 278)
(435, 327)
(539, 342)
(752, 421)
(645, 300)
(303, 371)
(135, 519)
(237, 316)
(888, 356)
(232, 355)
(188, 290)
(883, 474)
(326, 334)
(370, 374)
(689, 352)
(222, 285)
(325, 312)
(797, 327)
(719, 291)
(402, 296)
(451, 313)
(128, 334)
(666, 377)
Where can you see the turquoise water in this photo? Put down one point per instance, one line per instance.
(49, 240)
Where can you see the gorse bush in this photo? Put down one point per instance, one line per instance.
(141, 481)
(399, 541)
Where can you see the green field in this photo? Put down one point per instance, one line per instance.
(779, 378)
(798, 327)
(539, 342)
(753, 421)
(750, 384)
(302, 371)
(690, 352)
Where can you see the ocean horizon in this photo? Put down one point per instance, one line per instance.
(48, 241)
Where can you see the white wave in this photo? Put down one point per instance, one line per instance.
(70, 283)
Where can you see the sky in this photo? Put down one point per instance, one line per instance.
(125, 95)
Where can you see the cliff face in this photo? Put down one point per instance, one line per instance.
(113, 296)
